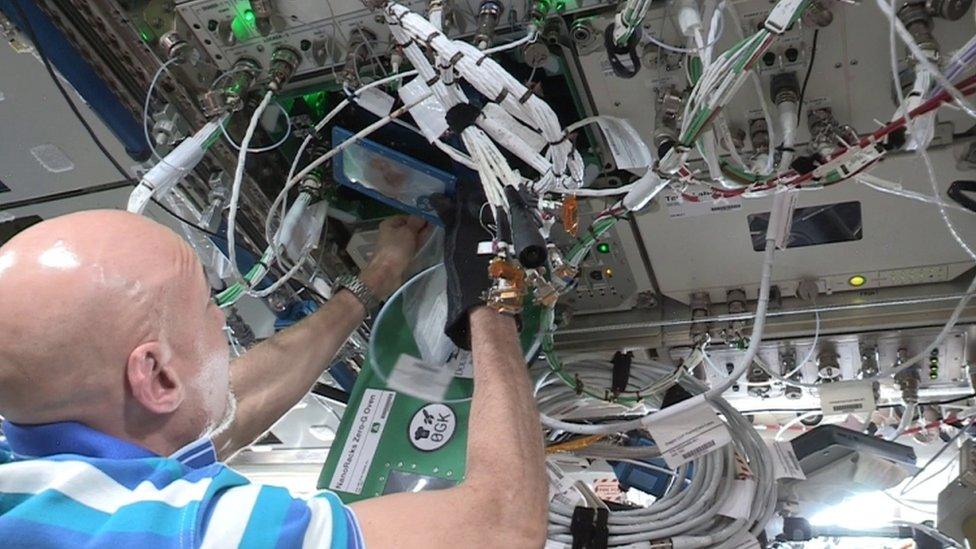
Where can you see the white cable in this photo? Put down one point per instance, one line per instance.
(889, 187)
(280, 142)
(923, 60)
(238, 180)
(907, 416)
(145, 106)
(789, 424)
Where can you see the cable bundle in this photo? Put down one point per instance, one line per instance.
(687, 515)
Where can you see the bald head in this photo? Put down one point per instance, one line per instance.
(80, 294)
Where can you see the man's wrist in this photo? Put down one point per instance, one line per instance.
(486, 316)
(381, 276)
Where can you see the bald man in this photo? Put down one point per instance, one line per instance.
(119, 400)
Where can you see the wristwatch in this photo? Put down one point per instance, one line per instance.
(358, 289)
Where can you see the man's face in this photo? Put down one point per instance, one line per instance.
(207, 355)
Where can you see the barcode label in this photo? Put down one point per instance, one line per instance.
(847, 396)
(687, 431)
(695, 452)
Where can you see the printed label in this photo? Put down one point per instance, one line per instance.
(683, 435)
(744, 540)
(844, 397)
(364, 436)
(420, 379)
(739, 503)
(681, 206)
(429, 114)
(628, 149)
(561, 487)
(375, 101)
(432, 427)
(461, 362)
(785, 464)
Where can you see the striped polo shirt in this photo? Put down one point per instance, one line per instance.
(67, 485)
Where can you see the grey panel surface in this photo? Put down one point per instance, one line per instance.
(32, 114)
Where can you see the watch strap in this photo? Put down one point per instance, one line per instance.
(359, 289)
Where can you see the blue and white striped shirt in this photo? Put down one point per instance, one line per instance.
(67, 485)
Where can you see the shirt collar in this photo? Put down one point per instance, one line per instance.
(71, 437)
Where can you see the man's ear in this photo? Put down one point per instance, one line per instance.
(152, 379)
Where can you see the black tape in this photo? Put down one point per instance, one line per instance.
(629, 49)
(581, 527)
(664, 148)
(957, 192)
(462, 115)
(896, 140)
(621, 371)
(804, 164)
(529, 245)
(589, 528)
(601, 532)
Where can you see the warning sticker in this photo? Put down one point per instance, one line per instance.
(785, 464)
(698, 203)
(364, 436)
(845, 397)
(683, 434)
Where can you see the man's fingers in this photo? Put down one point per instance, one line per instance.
(397, 221)
(416, 224)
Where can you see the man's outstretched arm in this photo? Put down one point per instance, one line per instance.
(502, 501)
(270, 378)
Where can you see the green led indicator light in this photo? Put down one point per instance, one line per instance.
(603, 248)
(145, 35)
(560, 6)
(249, 16)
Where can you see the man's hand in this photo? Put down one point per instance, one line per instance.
(400, 239)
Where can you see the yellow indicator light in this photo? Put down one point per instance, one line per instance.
(857, 281)
(608, 272)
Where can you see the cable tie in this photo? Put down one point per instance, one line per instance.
(454, 60)
(433, 80)
(431, 38)
(564, 138)
(501, 96)
(481, 60)
(526, 96)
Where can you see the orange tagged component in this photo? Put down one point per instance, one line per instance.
(502, 269)
(571, 215)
